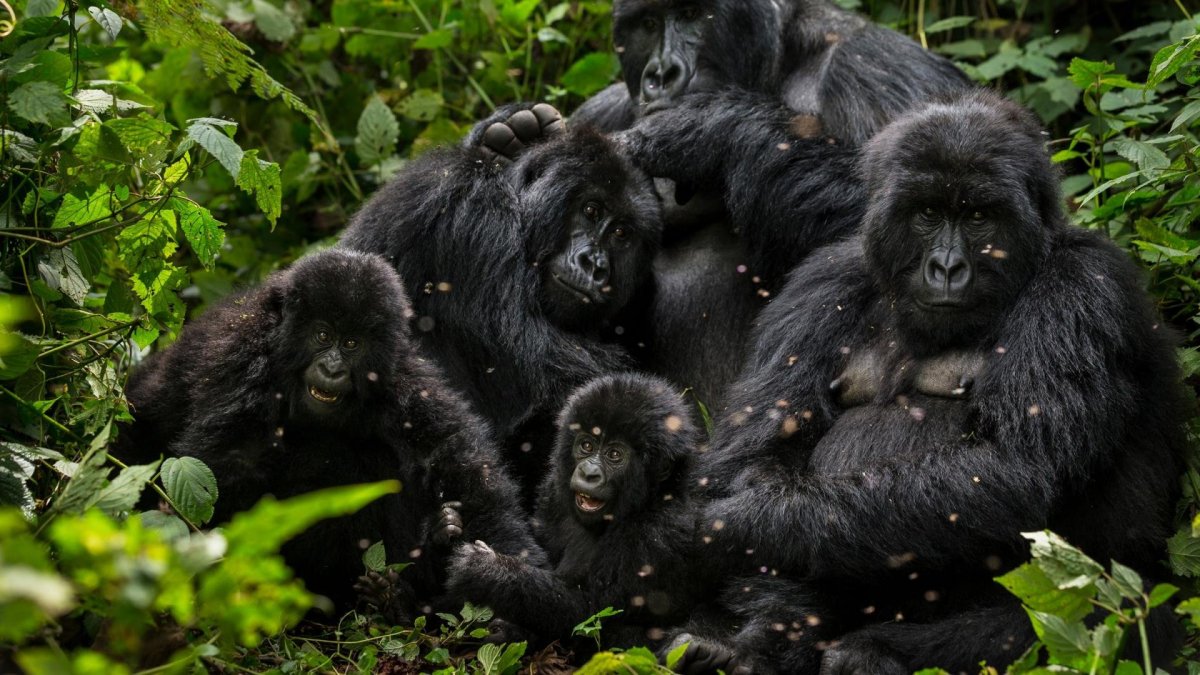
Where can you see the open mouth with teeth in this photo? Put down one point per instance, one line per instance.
(323, 396)
(588, 503)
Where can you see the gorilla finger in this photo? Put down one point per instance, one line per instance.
(500, 139)
(452, 531)
(452, 505)
(550, 119)
(525, 125)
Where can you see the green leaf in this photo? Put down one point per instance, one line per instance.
(1143, 154)
(1036, 591)
(60, 270)
(1127, 582)
(1161, 593)
(435, 39)
(88, 209)
(1065, 565)
(375, 557)
(377, 132)
(675, 655)
(591, 73)
(273, 22)
(271, 523)
(171, 527)
(1191, 609)
(100, 101)
(422, 105)
(1184, 552)
(218, 144)
(510, 660)
(124, 491)
(1168, 60)
(203, 232)
(38, 102)
(262, 179)
(17, 355)
(109, 20)
(83, 490)
(1067, 641)
(949, 23)
(191, 486)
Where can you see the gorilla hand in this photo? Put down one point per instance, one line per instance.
(507, 139)
(449, 525)
(386, 594)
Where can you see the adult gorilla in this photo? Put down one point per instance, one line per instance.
(522, 243)
(614, 518)
(823, 73)
(312, 381)
(887, 521)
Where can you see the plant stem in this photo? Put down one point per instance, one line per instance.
(1145, 646)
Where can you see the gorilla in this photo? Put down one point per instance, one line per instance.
(818, 74)
(523, 244)
(881, 517)
(310, 381)
(613, 516)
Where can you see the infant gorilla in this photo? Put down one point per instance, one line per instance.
(311, 381)
(613, 516)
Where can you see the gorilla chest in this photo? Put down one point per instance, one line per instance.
(866, 434)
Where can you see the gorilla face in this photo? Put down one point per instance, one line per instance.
(668, 48)
(958, 218)
(601, 466)
(598, 267)
(344, 325)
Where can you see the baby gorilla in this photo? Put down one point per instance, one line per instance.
(312, 381)
(613, 516)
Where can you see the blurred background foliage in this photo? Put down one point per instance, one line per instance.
(156, 155)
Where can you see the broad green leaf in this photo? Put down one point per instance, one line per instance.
(17, 355)
(1065, 565)
(1184, 553)
(435, 39)
(38, 102)
(100, 101)
(1127, 582)
(1036, 591)
(273, 22)
(271, 523)
(218, 144)
(675, 655)
(203, 232)
(1191, 609)
(1161, 593)
(591, 73)
(83, 490)
(60, 270)
(377, 132)
(109, 20)
(191, 486)
(949, 23)
(375, 557)
(262, 179)
(422, 105)
(18, 146)
(1168, 60)
(124, 491)
(1067, 641)
(90, 209)
(147, 139)
(171, 527)
(1143, 154)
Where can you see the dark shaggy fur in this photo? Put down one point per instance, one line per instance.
(636, 558)
(233, 385)
(907, 507)
(473, 236)
(760, 133)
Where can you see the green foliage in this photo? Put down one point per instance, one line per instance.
(590, 627)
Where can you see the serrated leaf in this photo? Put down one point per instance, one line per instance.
(1067, 641)
(377, 132)
(218, 144)
(1184, 553)
(1065, 565)
(83, 489)
(191, 486)
(19, 146)
(123, 492)
(203, 231)
(60, 270)
(109, 20)
(591, 73)
(1143, 154)
(100, 101)
(1036, 591)
(375, 557)
(273, 22)
(262, 179)
(422, 105)
(91, 208)
(37, 102)
(1127, 582)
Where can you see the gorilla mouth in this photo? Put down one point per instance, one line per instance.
(323, 396)
(584, 296)
(588, 503)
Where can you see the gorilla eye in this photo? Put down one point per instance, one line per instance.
(323, 337)
(350, 344)
(650, 23)
(614, 455)
(587, 446)
(591, 210)
(929, 212)
(619, 233)
(978, 216)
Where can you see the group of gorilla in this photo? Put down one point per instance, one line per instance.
(806, 222)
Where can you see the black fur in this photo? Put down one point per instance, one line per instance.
(473, 237)
(908, 506)
(233, 385)
(637, 558)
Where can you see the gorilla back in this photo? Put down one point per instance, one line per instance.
(519, 268)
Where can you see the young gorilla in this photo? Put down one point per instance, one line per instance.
(311, 381)
(887, 513)
(524, 242)
(614, 519)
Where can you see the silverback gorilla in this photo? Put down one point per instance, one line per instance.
(734, 229)
(614, 518)
(518, 265)
(886, 520)
(310, 381)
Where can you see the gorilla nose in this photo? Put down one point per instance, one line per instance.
(594, 265)
(663, 79)
(333, 372)
(587, 474)
(947, 270)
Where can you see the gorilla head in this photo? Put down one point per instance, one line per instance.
(958, 217)
(672, 47)
(623, 440)
(592, 227)
(343, 329)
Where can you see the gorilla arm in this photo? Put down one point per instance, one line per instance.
(1050, 416)
(787, 187)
